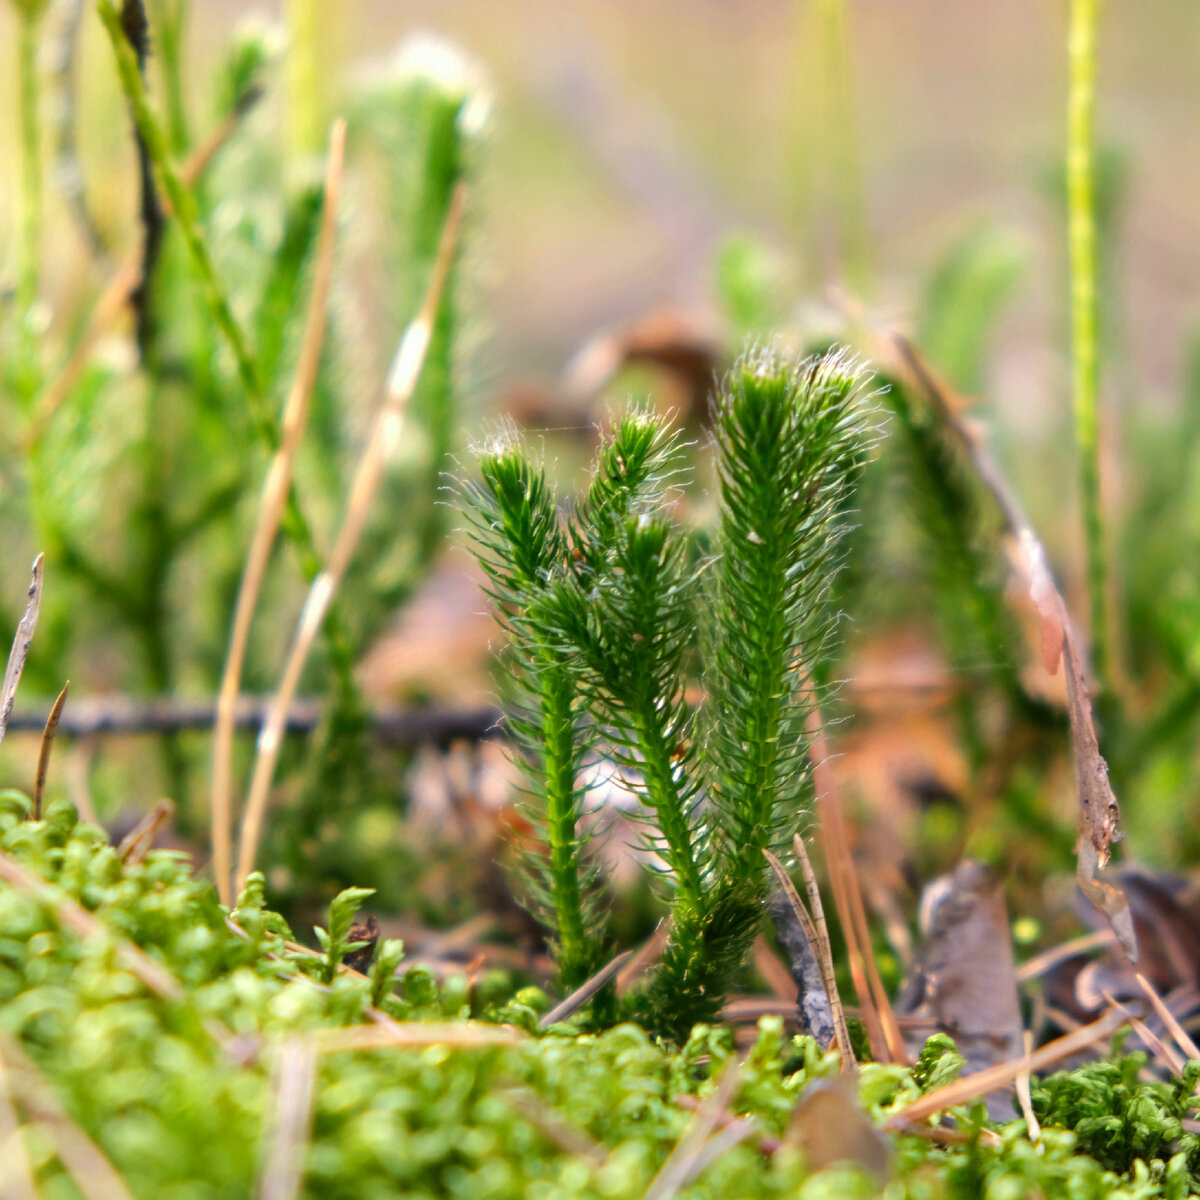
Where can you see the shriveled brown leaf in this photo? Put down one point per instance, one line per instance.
(830, 1127)
(22, 640)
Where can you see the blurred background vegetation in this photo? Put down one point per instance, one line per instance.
(648, 184)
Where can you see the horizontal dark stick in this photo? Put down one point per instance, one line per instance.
(90, 716)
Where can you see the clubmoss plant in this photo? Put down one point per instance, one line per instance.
(606, 612)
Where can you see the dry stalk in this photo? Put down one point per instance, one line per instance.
(137, 843)
(406, 370)
(585, 991)
(1168, 1018)
(1025, 1096)
(883, 1031)
(458, 1034)
(820, 948)
(22, 640)
(16, 1175)
(270, 512)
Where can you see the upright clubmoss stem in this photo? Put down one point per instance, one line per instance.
(170, 17)
(31, 165)
(1081, 229)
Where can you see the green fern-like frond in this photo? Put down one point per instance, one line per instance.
(522, 547)
(789, 441)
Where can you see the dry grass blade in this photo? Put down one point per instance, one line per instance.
(1099, 813)
(1039, 964)
(1025, 1096)
(386, 433)
(43, 764)
(585, 991)
(1168, 1018)
(116, 296)
(465, 1035)
(974, 1087)
(89, 1168)
(81, 923)
(293, 1079)
(270, 513)
(16, 1175)
(824, 949)
(22, 640)
(883, 1030)
(687, 1159)
(138, 842)
(824, 956)
(644, 957)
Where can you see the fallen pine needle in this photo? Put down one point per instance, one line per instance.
(293, 1078)
(1168, 1018)
(415, 1034)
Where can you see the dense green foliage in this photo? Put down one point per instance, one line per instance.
(180, 1093)
(605, 613)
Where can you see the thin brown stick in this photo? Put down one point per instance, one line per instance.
(270, 512)
(883, 1031)
(22, 640)
(586, 990)
(89, 1167)
(971, 1087)
(16, 1175)
(116, 295)
(1168, 1018)
(406, 370)
(1039, 964)
(293, 1080)
(139, 841)
(43, 763)
(644, 957)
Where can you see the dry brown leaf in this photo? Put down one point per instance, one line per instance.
(22, 640)
(830, 1127)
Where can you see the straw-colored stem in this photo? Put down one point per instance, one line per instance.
(274, 495)
(1081, 232)
(389, 421)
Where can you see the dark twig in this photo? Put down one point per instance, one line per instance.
(43, 765)
(121, 716)
(137, 30)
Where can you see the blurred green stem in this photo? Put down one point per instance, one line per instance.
(303, 79)
(1081, 226)
(170, 19)
(31, 172)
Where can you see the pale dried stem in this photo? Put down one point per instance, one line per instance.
(16, 1176)
(406, 370)
(274, 498)
(293, 1082)
(1168, 1018)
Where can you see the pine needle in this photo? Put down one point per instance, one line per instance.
(293, 1079)
(1168, 1018)
(16, 1175)
(582, 994)
(271, 507)
(389, 421)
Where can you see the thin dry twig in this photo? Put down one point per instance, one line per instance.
(586, 990)
(1039, 964)
(16, 1175)
(406, 370)
(973, 1087)
(1099, 813)
(22, 640)
(43, 763)
(820, 949)
(274, 497)
(89, 1167)
(644, 957)
(139, 841)
(293, 1081)
(687, 1159)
